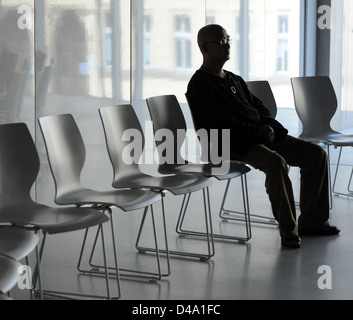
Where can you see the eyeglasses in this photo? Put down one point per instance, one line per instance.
(221, 42)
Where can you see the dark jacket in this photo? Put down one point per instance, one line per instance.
(218, 103)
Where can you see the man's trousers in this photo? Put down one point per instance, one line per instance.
(274, 160)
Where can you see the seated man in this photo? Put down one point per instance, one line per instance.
(219, 100)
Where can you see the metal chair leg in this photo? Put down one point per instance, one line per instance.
(350, 182)
(131, 272)
(224, 213)
(166, 250)
(71, 295)
(36, 277)
(37, 271)
(349, 192)
(144, 274)
(208, 225)
(209, 232)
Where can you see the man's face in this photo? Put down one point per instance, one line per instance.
(218, 46)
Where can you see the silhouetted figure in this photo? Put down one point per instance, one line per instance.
(219, 100)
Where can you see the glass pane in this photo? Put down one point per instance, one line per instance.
(82, 59)
(347, 103)
(228, 14)
(274, 49)
(89, 55)
(164, 51)
(341, 70)
(16, 62)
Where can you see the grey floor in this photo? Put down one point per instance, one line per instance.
(258, 269)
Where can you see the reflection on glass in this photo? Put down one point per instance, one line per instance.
(94, 53)
(16, 59)
(71, 47)
(82, 64)
(165, 52)
(341, 69)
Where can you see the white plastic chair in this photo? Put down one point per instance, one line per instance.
(66, 152)
(166, 113)
(316, 104)
(117, 120)
(19, 167)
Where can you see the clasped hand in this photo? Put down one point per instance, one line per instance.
(269, 133)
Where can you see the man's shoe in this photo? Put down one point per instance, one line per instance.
(324, 231)
(293, 242)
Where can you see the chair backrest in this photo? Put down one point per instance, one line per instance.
(315, 103)
(19, 164)
(262, 90)
(166, 113)
(124, 138)
(65, 150)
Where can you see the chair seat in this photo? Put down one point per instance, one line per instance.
(341, 139)
(17, 243)
(176, 184)
(235, 170)
(19, 166)
(52, 220)
(336, 139)
(166, 114)
(127, 200)
(8, 274)
(66, 153)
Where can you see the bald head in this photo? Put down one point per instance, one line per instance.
(214, 43)
(209, 33)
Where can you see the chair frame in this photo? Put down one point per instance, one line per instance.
(116, 120)
(321, 132)
(68, 137)
(19, 210)
(158, 108)
(131, 273)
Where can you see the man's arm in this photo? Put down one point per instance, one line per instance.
(277, 130)
(211, 109)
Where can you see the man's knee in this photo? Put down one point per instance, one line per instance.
(277, 163)
(318, 154)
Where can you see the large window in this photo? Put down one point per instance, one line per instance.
(16, 62)
(282, 56)
(341, 65)
(147, 41)
(183, 41)
(75, 56)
